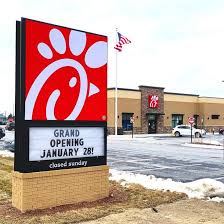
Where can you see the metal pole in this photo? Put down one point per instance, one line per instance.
(115, 106)
(132, 129)
(223, 148)
(191, 133)
(13, 110)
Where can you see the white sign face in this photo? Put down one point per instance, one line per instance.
(52, 143)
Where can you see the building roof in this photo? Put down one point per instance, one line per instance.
(152, 87)
(113, 88)
(169, 93)
(213, 97)
(183, 94)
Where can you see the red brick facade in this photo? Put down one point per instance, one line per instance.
(146, 111)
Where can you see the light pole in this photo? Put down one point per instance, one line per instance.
(223, 139)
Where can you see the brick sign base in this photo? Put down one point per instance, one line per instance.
(39, 190)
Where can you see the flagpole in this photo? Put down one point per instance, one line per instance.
(115, 103)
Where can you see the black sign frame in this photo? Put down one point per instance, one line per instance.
(22, 126)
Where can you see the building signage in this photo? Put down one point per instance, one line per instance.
(64, 143)
(153, 101)
(61, 97)
(64, 65)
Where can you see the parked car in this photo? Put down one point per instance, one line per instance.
(185, 130)
(221, 131)
(9, 145)
(10, 126)
(2, 132)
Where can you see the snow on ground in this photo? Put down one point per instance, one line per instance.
(6, 153)
(137, 136)
(9, 136)
(202, 189)
(208, 141)
(216, 199)
(212, 142)
(205, 146)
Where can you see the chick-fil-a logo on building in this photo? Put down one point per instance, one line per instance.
(153, 101)
(65, 73)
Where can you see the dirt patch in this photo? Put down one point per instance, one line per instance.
(181, 212)
(120, 199)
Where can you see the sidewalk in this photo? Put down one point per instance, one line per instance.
(140, 136)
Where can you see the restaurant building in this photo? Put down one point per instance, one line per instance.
(156, 111)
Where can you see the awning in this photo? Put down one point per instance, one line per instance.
(155, 113)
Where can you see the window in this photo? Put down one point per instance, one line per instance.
(184, 127)
(126, 125)
(215, 116)
(177, 119)
(152, 117)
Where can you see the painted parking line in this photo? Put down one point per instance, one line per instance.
(168, 167)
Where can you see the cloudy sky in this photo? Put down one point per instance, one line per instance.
(176, 44)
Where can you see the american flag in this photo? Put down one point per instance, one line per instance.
(121, 40)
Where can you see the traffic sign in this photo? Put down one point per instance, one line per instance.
(191, 120)
(132, 120)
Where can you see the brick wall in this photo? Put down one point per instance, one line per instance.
(167, 129)
(210, 128)
(160, 124)
(47, 189)
(145, 92)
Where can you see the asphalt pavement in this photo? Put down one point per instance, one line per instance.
(166, 157)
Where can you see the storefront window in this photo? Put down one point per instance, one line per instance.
(177, 119)
(126, 124)
(215, 116)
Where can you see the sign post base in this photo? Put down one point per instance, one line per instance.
(39, 190)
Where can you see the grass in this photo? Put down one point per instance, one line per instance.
(120, 199)
(6, 166)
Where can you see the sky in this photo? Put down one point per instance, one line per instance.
(176, 44)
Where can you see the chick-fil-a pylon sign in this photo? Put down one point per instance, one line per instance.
(66, 74)
(61, 84)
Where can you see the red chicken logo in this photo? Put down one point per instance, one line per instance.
(153, 101)
(65, 74)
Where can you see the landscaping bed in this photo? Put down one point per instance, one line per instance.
(120, 199)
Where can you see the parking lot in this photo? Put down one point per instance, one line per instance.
(9, 136)
(167, 157)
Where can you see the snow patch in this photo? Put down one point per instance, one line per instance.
(6, 153)
(217, 199)
(202, 146)
(202, 189)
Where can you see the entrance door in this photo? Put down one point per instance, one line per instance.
(152, 122)
(196, 120)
